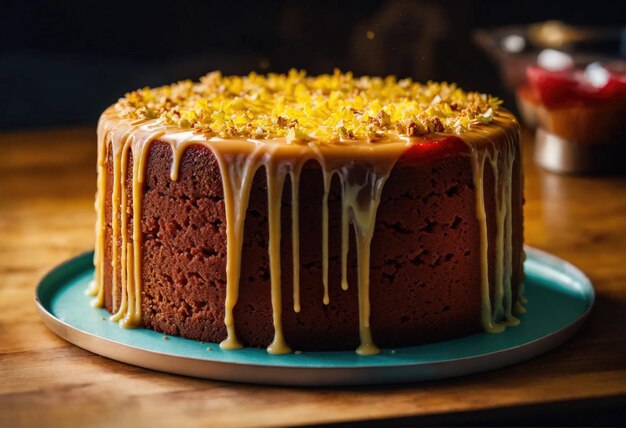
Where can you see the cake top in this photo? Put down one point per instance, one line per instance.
(329, 107)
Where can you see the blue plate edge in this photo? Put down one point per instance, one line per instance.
(532, 253)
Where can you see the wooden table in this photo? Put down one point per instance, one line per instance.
(47, 183)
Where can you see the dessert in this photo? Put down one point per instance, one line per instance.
(309, 213)
(577, 105)
(579, 115)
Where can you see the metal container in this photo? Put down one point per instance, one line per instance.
(570, 157)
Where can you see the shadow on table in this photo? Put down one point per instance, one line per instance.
(609, 411)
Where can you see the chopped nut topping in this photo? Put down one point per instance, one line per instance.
(413, 130)
(305, 108)
(382, 119)
(281, 121)
(437, 126)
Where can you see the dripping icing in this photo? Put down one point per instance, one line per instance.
(491, 314)
(295, 232)
(238, 162)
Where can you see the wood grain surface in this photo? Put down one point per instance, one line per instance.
(47, 184)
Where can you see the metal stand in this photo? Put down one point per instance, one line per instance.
(562, 156)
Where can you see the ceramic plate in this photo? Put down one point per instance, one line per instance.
(560, 296)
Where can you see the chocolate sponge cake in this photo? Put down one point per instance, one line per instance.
(309, 213)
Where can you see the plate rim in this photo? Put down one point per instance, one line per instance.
(82, 339)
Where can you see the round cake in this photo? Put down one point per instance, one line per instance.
(309, 213)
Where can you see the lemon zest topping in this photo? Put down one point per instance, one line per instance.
(329, 107)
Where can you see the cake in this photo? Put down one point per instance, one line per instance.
(579, 106)
(292, 212)
(579, 115)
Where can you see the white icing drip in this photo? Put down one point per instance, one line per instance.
(328, 176)
(295, 233)
(501, 207)
(123, 307)
(238, 172)
(275, 181)
(491, 316)
(521, 300)
(510, 320)
(115, 215)
(363, 184)
(478, 169)
(345, 235)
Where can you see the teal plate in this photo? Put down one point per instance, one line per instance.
(560, 296)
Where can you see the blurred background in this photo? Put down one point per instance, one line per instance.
(64, 62)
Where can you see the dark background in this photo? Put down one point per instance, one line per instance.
(64, 62)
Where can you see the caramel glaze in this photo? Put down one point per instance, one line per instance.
(362, 168)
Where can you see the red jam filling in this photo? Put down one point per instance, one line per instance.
(571, 88)
(433, 148)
